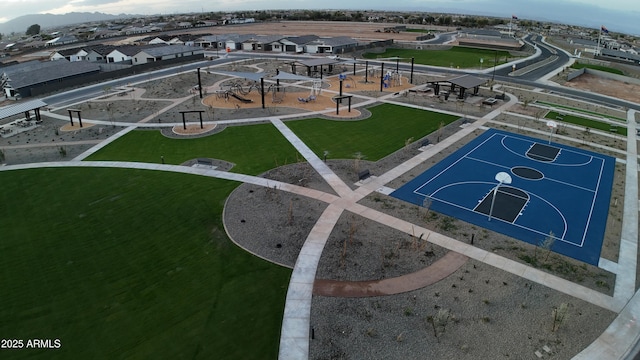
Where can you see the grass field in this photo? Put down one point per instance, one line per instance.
(578, 110)
(253, 148)
(420, 30)
(593, 124)
(384, 132)
(120, 263)
(597, 67)
(457, 56)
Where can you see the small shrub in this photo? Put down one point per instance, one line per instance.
(447, 224)
(371, 332)
(408, 311)
(602, 284)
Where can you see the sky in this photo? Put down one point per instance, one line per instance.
(616, 15)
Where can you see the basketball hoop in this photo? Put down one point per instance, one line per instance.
(502, 178)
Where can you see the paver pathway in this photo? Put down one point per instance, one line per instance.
(439, 270)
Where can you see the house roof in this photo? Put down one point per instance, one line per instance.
(335, 41)
(169, 50)
(301, 40)
(234, 37)
(68, 52)
(102, 49)
(63, 39)
(37, 72)
(131, 50)
(265, 39)
(620, 54)
(127, 50)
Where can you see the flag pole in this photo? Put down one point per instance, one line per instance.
(599, 35)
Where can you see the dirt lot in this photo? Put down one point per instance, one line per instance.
(599, 85)
(361, 31)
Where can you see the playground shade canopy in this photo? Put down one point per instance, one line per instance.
(282, 75)
(247, 75)
(318, 62)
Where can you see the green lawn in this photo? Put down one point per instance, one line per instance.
(597, 67)
(384, 132)
(123, 263)
(593, 124)
(253, 148)
(558, 106)
(457, 56)
(120, 263)
(419, 30)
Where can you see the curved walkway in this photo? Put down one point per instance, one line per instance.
(439, 270)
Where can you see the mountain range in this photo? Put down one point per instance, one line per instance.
(20, 24)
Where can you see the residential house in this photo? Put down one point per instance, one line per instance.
(210, 41)
(296, 44)
(233, 41)
(263, 43)
(99, 53)
(71, 55)
(619, 56)
(333, 45)
(62, 40)
(166, 52)
(123, 53)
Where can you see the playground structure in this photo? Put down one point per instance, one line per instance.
(316, 87)
(237, 90)
(278, 93)
(348, 81)
(225, 94)
(392, 79)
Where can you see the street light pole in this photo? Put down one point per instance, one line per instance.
(495, 63)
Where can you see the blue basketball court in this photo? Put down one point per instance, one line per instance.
(525, 188)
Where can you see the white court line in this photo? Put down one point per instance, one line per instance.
(593, 192)
(590, 157)
(544, 178)
(526, 201)
(543, 158)
(593, 203)
(454, 163)
(535, 231)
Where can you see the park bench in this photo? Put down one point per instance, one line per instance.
(364, 174)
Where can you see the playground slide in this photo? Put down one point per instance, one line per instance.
(244, 100)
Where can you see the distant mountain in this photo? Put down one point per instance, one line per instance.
(20, 24)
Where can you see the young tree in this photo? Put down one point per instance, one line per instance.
(559, 316)
(33, 30)
(547, 244)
